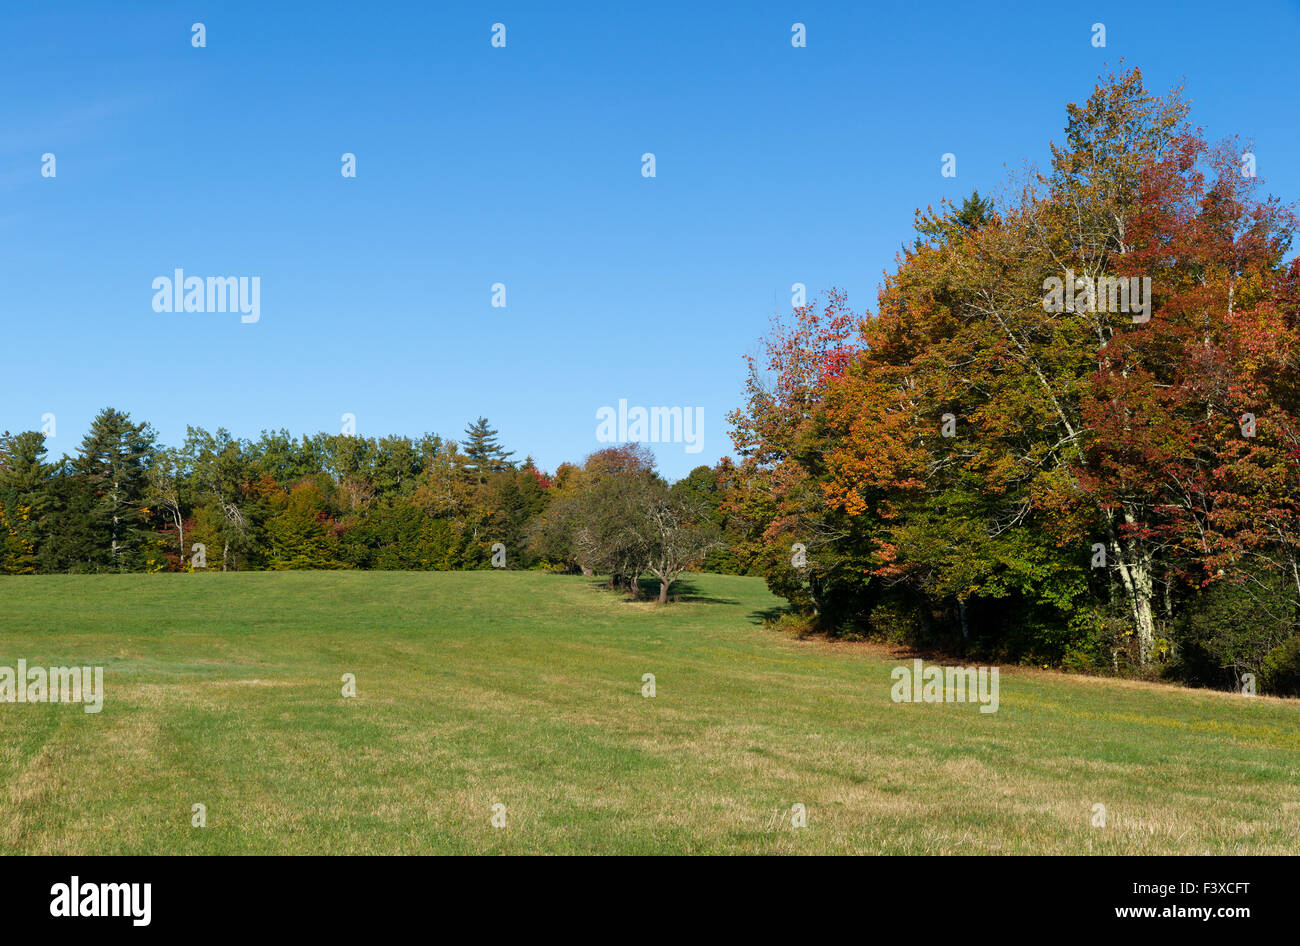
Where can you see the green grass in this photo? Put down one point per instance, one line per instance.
(525, 689)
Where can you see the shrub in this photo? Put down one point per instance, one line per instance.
(1280, 674)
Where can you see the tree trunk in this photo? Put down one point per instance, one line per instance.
(663, 591)
(1135, 574)
(1143, 613)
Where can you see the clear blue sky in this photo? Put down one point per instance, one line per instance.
(519, 165)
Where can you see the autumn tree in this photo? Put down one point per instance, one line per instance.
(979, 445)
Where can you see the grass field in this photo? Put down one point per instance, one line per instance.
(524, 689)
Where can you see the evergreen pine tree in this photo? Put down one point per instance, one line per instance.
(974, 212)
(483, 451)
(113, 461)
(954, 222)
(25, 491)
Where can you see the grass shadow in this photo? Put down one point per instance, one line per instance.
(683, 591)
(764, 615)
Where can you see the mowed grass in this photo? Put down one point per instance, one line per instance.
(524, 689)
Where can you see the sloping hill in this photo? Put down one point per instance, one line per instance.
(525, 690)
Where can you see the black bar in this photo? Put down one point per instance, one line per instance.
(337, 895)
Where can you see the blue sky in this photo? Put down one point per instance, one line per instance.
(520, 165)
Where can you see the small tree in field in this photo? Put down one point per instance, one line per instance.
(675, 533)
(608, 529)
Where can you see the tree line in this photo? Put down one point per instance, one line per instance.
(126, 503)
